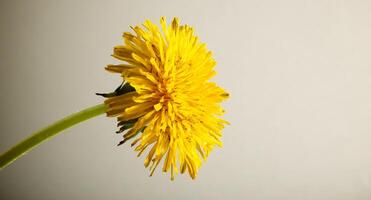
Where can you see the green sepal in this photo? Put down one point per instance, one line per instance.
(120, 90)
(125, 125)
(126, 139)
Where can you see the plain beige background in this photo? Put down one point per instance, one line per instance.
(300, 108)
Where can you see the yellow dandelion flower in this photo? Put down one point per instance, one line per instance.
(167, 96)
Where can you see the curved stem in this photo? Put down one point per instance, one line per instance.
(44, 134)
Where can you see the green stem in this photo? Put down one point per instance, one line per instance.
(44, 134)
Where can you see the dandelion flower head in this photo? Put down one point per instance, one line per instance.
(167, 103)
